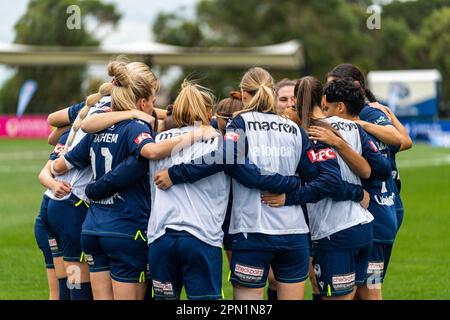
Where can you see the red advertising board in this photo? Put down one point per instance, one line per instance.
(24, 127)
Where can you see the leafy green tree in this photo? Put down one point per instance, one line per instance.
(413, 34)
(430, 48)
(45, 23)
(331, 31)
(413, 12)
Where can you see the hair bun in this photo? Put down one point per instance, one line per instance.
(236, 95)
(119, 71)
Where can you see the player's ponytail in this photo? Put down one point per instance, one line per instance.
(260, 85)
(347, 70)
(104, 90)
(190, 105)
(131, 82)
(309, 92)
(122, 96)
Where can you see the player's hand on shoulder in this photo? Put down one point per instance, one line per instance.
(140, 115)
(382, 108)
(362, 123)
(324, 135)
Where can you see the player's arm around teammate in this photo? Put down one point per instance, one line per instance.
(99, 122)
(339, 95)
(42, 229)
(389, 133)
(113, 274)
(64, 241)
(308, 93)
(406, 139)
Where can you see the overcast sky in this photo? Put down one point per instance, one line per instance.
(135, 25)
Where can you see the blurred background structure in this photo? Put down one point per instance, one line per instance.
(62, 57)
(51, 58)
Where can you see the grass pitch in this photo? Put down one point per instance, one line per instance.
(419, 267)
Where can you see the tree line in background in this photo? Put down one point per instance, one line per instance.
(45, 23)
(413, 35)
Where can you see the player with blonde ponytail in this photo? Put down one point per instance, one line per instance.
(264, 236)
(113, 236)
(66, 211)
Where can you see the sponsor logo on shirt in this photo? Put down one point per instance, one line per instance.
(168, 135)
(141, 137)
(343, 282)
(233, 136)
(375, 267)
(385, 200)
(344, 126)
(272, 126)
(163, 288)
(110, 200)
(373, 146)
(53, 244)
(321, 155)
(381, 119)
(90, 259)
(247, 273)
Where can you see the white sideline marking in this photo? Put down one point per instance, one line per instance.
(442, 161)
(24, 155)
(20, 169)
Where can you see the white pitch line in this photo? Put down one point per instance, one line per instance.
(20, 169)
(23, 155)
(442, 161)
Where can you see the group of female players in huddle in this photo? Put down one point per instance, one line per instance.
(293, 180)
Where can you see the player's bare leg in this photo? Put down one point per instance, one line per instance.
(128, 291)
(102, 285)
(242, 293)
(60, 270)
(53, 284)
(78, 280)
(272, 284)
(372, 292)
(72, 276)
(291, 291)
(349, 296)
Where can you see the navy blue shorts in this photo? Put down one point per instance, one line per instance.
(252, 257)
(124, 258)
(379, 258)
(338, 272)
(41, 233)
(340, 261)
(178, 258)
(65, 219)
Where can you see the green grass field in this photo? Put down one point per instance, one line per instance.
(419, 268)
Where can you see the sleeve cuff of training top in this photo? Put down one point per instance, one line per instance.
(291, 198)
(174, 175)
(359, 195)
